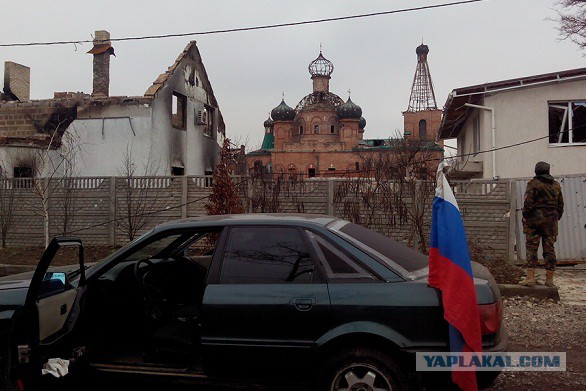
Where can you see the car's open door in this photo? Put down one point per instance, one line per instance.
(43, 327)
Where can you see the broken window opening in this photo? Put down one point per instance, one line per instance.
(23, 177)
(567, 123)
(208, 123)
(177, 171)
(178, 110)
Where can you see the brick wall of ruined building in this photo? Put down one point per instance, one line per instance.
(35, 120)
(25, 119)
(17, 80)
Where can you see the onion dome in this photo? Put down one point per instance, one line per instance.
(349, 110)
(283, 112)
(362, 123)
(422, 49)
(321, 66)
(268, 123)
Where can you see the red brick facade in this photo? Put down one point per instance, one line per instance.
(325, 137)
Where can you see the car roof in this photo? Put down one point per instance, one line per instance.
(249, 219)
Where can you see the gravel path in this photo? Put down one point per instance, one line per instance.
(546, 326)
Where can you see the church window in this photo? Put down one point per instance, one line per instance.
(311, 171)
(316, 128)
(301, 129)
(423, 129)
(332, 129)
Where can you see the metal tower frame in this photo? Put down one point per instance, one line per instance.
(422, 94)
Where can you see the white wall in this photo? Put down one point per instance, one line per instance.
(104, 139)
(522, 115)
(104, 133)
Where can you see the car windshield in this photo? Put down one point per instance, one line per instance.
(399, 257)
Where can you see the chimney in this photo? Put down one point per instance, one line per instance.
(17, 80)
(102, 50)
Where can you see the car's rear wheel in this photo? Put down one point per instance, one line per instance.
(362, 369)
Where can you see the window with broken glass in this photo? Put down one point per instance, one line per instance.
(567, 123)
(208, 129)
(178, 110)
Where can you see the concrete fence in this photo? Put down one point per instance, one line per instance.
(97, 209)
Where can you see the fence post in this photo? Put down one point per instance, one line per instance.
(183, 197)
(112, 211)
(330, 198)
(250, 192)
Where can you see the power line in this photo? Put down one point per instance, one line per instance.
(240, 29)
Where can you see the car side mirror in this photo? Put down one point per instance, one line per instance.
(53, 283)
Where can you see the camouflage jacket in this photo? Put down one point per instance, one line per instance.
(543, 196)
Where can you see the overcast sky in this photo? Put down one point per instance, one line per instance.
(373, 57)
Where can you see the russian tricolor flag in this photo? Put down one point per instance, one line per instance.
(451, 272)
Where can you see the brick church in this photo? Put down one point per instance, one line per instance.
(323, 135)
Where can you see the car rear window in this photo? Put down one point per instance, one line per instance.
(382, 247)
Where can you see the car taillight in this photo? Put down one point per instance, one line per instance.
(491, 316)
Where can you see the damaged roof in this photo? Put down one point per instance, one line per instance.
(192, 52)
(455, 113)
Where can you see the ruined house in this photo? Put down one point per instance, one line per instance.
(175, 128)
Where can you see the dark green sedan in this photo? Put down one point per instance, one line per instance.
(302, 300)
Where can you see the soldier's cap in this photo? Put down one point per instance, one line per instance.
(541, 168)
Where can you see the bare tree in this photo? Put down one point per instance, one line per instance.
(7, 195)
(393, 193)
(136, 195)
(572, 20)
(67, 200)
(54, 158)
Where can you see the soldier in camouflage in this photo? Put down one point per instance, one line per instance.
(542, 208)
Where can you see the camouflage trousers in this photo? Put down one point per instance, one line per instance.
(532, 245)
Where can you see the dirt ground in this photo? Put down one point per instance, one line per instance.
(537, 325)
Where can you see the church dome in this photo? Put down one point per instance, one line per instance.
(422, 49)
(349, 110)
(283, 112)
(362, 123)
(321, 66)
(268, 123)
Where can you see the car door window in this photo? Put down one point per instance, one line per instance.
(335, 262)
(266, 255)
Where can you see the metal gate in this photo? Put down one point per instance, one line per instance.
(571, 243)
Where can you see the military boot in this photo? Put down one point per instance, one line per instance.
(549, 278)
(529, 280)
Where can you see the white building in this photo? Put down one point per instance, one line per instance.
(176, 128)
(503, 128)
